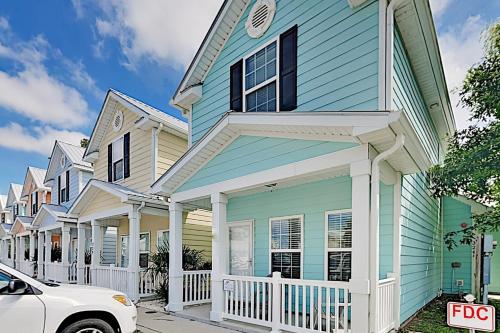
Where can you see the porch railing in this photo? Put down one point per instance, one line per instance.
(86, 273)
(56, 272)
(288, 304)
(111, 277)
(148, 283)
(196, 287)
(385, 297)
(27, 267)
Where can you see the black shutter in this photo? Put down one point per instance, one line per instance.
(36, 203)
(67, 185)
(126, 155)
(288, 70)
(58, 190)
(110, 162)
(236, 87)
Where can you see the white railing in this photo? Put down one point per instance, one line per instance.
(385, 306)
(148, 283)
(57, 272)
(288, 304)
(27, 267)
(111, 277)
(86, 273)
(197, 286)
(72, 273)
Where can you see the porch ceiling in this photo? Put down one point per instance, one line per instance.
(378, 128)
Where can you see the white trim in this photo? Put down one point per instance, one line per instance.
(231, 224)
(301, 250)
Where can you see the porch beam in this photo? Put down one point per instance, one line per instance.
(360, 271)
(220, 248)
(175, 258)
(134, 224)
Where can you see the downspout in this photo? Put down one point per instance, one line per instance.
(156, 134)
(374, 227)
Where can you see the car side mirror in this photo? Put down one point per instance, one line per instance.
(17, 287)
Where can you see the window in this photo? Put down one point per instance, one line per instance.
(34, 203)
(286, 246)
(3, 217)
(339, 245)
(124, 252)
(162, 238)
(62, 191)
(117, 159)
(144, 248)
(260, 80)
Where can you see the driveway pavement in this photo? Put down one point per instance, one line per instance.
(149, 321)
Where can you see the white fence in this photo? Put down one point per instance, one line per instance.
(86, 274)
(111, 277)
(148, 283)
(57, 272)
(385, 297)
(288, 304)
(197, 286)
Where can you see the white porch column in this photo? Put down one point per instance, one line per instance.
(65, 241)
(80, 256)
(134, 225)
(48, 250)
(32, 247)
(396, 256)
(220, 249)
(41, 241)
(96, 248)
(21, 248)
(12, 249)
(175, 282)
(360, 271)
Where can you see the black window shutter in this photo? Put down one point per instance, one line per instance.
(58, 190)
(110, 162)
(288, 70)
(36, 203)
(67, 185)
(126, 155)
(236, 87)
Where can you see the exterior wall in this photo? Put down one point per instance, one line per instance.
(454, 214)
(421, 245)
(386, 231)
(407, 96)
(337, 58)
(140, 154)
(86, 177)
(312, 200)
(29, 207)
(249, 154)
(170, 149)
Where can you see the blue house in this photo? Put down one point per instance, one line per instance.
(312, 125)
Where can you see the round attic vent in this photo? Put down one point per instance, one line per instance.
(63, 161)
(117, 121)
(260, 17)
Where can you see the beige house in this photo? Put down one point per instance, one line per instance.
(119, 222)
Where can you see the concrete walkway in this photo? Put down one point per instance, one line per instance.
(150, 321)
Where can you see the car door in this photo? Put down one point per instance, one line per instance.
(23, 313)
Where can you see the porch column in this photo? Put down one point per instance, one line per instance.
(175, 282)
(12, 249)
(96, 248)
(65, 241)
(21, 248)
(80, 256)
(220, 251)
(32, 247)
(134, 225)
(41, 237)
(360, 265)
(48, 250)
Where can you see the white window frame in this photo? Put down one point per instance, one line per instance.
(63, 187)
(113, 161)
(332, 249)
(301, 250)
(276, 78)
(160, 233)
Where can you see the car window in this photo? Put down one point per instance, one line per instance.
(4, 282)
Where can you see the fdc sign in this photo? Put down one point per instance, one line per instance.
(472, 316)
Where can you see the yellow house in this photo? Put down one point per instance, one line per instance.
(120, 223)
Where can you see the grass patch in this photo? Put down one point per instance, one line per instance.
(432, 319)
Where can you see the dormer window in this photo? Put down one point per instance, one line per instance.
(119, 158)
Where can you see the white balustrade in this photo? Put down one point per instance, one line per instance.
(57, 272)
(288, 304)
(111, 277)
(196, 286)
(72, 273)
(148, 283)
(385, 297)
(86, 274)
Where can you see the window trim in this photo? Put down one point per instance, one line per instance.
(113, 161)
(301, 250)
(276, 78)
(328, 249)
(145, 233)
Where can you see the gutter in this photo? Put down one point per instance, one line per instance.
(374, 226)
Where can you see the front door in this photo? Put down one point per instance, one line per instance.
(241, 248)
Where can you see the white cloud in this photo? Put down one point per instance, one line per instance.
(164, 31)
(41, 141)
(78, 6)
(461, 48)
(438, 7)
(4, 23)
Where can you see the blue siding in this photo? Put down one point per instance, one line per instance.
(337, 59)
(454, 214)
(312, 200)
(421, 241)
(386, 231)
(249, 154)
(407, 96)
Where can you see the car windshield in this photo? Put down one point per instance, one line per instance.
(48, 284)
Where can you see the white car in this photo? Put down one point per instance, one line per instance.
(31, 306)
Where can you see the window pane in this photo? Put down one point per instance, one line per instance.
(263, 99)
(340, 230)
(260, 66)
(144, 243)
(162, 238)
(118, 170)
(250, 64)
(287, 263)
(339, 266)
(118, 150)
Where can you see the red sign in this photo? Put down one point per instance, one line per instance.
(471, 316)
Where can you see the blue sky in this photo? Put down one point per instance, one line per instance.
(58, 58)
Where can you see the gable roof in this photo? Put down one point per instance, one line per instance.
(58, 212)
(14, 193)
(151, 117)
(21, 224)
(74, 155)
(3, 202)
(37, 176)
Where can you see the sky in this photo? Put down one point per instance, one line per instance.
(58, 58)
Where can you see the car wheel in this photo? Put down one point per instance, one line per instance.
(89, 326)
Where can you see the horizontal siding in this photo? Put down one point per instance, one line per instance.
(102, 201)
(408, 97)
(170, 149)
(312, 200)
(250, 154)
(421, 242)
(337, 59)
(386, 232)
(454, 214)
